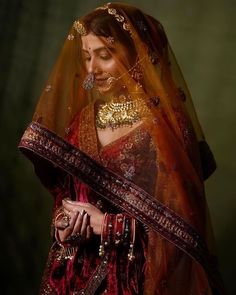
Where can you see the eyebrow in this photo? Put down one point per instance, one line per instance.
(100, 48)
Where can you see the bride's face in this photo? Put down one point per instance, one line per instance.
(101, 61)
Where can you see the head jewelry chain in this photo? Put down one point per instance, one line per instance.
(79, 27)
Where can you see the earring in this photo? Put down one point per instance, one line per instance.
(88, 82)
(111, 81)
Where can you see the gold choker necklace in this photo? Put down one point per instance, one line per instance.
(117, 114)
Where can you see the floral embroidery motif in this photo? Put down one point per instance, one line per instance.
(48, 88)
(110, 40)
(70, 37)
(142, 26)
(155, 100)
(129, 174)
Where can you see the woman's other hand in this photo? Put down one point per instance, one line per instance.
(78, 224)
(95, 215)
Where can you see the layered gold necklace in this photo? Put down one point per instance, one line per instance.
(117, 113)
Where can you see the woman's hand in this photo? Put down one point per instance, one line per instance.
(95, 215)
(78, 224)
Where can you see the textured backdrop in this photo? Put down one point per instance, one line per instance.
(203, 36)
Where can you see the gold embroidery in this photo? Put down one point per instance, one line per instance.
(87, 132)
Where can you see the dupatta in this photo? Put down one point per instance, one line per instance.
(177, 214)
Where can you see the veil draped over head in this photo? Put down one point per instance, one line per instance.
(150, 74)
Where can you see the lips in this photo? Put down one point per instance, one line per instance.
(100, 81)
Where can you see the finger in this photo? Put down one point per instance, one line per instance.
(70, 205)
(74, 202)
(61, 224)
(78, 223)
(89, 232)
(69, 229)
(84, 225)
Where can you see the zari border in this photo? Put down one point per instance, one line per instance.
(96, 279)
(122, 193)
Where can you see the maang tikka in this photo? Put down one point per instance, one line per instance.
(88, 82)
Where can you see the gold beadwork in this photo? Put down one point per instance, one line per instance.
(119, 18)
(79, 27)
(117, 114)
(126, 27)
(112, 11)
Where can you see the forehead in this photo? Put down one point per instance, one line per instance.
(91, 42)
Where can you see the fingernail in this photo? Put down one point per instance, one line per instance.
(65, 224)
(69, 201)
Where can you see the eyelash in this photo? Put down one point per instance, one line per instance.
(103, 57)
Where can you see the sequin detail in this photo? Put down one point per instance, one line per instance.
(48, 88)
(70, 37)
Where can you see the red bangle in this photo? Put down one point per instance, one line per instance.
(119, 228)
(132, 240)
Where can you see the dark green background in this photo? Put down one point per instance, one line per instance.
(202, 34)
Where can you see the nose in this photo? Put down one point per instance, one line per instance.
(93, 66)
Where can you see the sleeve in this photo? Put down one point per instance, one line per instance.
(207, 160)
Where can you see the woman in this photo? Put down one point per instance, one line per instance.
(116, 140)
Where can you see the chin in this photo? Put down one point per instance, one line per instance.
(105, 90)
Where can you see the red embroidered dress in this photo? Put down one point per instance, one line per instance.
(132, 156)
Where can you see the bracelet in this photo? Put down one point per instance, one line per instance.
(55, 216)
(107, 234)
(132, 240)
(126, 230)
(117, 228)
(102, 246)
(69, 247)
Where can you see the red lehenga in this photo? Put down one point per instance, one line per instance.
(153, 175)
(132, 156)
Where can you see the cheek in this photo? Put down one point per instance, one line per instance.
(111, 67)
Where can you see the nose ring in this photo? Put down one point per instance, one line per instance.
(88, 82)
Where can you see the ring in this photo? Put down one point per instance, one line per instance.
(73, 238)
(66, 217)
